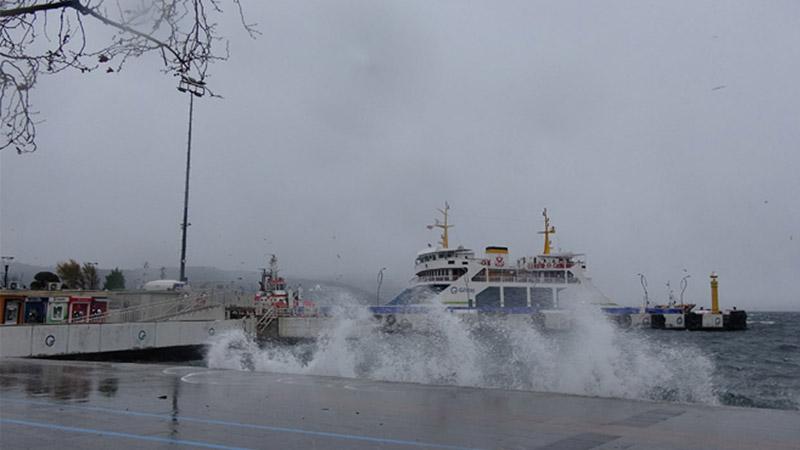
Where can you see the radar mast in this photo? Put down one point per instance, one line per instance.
(444, 242)
(548, 230)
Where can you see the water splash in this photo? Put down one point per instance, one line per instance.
(594, 359)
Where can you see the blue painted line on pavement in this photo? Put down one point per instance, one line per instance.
(117, 434)
(354, 437)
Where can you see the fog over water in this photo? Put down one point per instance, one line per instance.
(660, 136)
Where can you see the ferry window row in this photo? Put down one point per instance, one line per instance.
(524, 276)
(435, 256)
(515, 297)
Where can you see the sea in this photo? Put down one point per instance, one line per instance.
(757, 368)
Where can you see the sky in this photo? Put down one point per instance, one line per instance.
(662, 137)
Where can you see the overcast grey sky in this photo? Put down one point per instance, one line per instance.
(659, 135)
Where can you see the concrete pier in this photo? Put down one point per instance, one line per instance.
(47, 404)
(85, 338)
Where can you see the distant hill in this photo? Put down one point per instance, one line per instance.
(203, 277)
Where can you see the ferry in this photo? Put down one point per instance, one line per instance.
(544, 286)
(490, 282)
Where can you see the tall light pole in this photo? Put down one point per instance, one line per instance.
(684, 284)
(6, 261)
(194, 88)
(643, 281)
(380, 282)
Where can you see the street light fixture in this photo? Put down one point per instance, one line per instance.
(380, 282)
(194, 88)
(6, 261)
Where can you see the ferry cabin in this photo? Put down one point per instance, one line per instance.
(462, 280)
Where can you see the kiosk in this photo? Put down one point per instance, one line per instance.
(11, 308)
(57, 309)
(79, 309)
(35, 309)
(98, 309)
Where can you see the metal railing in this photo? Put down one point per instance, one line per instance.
(266, 318)
(151, 312)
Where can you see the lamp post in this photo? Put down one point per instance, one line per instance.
(195, 88)
(684, 283)
(380, 282)
(6, 261)
(643, 281)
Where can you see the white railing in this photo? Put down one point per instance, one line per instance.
(266, 318)
(151, 312)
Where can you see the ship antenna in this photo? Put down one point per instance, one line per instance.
(548, 230)
(444, 226)
(273, 265)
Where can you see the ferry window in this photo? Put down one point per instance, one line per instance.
(480, 276)
(515, 297)
(488, 297)
(542, 297)
(417, 294)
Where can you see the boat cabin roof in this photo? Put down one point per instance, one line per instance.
(567, 255)
(439, 250)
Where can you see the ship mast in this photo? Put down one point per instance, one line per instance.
(444, 226)
(548, 230)
(273, 266)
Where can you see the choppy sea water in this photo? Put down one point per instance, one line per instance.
(759, 367)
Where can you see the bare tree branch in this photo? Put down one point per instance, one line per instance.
(36, 8)
(48, 37)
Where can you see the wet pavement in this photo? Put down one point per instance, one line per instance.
(66, 404)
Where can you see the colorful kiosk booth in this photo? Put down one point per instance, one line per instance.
(11, 307)
(36, 309)
(57, 309)
(98, 309)
(79, 309)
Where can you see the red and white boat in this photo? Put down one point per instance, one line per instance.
(273, 293)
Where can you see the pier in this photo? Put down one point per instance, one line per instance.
(61, 323)
(101, 405)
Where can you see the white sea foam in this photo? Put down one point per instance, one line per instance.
(496, 352)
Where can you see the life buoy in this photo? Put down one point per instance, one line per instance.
(679, 320)
(717, 321)
(646, 321)
(549, 265)
(390, 319)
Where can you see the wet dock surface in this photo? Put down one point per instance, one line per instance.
(65, 404)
